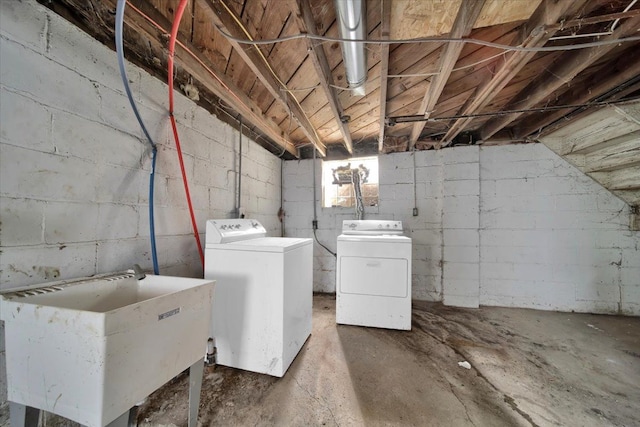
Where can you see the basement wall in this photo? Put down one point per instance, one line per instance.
(396, 201)
(513, 226)
(74, 167)
(553, 238)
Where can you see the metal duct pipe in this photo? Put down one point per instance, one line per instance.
(352, 23)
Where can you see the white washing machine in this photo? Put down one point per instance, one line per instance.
(373, 275)
(261, 313)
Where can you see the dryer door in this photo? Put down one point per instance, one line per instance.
(374, 276)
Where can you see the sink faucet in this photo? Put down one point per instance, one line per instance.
(139, 274)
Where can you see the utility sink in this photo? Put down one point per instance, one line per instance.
(90, 349)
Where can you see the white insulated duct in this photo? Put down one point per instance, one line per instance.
(351, 16)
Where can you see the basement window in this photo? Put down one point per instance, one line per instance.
(337, 182)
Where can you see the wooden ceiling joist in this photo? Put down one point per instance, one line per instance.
(465, 19)
(610, 17)
(201, 68)
(627, 68)
(561, 72)
(385, 29)
(289, 91)
(623, 179)
(534, 33)
(225, 18)
(307, 24)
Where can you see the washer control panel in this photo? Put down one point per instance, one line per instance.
(371, 227)
(233, 230)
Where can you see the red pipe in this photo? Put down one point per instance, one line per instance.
(172, 46)
(197, 59)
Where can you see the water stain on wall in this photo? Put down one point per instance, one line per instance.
(45, 272)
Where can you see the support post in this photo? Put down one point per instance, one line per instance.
(22, 415)
(195, 385)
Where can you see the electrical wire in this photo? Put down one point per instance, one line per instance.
(231, 93)
(626, 9)
(422, 118)
(222, 108)
(429, 40)
(266, 62)
(154, 149)
(314, 225)
(325, 248)
(176, 137)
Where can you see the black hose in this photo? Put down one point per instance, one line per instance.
(326, 248)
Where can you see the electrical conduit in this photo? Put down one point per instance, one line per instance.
(154, 150)
(314, 225)
(172, 47)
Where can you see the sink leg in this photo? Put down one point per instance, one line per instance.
(133, 417)
(195, 385)
(128, 419)
(23, 415)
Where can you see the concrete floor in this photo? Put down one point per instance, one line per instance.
(528, 368)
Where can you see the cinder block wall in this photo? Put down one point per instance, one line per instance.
(460, 219)
(74, 167)
(396, 201)
(552, 238)
(511, 226)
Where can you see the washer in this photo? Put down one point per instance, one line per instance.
(373, 275)
(261, 312)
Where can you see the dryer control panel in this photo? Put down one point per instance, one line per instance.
(371, 227)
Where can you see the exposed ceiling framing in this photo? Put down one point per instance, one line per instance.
(306, 25)
(536, 32)
(385, 29)
(468, 13)
(605, 145)
(293, 93)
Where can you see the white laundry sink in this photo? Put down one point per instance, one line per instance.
(92, 348)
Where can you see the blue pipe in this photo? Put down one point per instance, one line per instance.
(152, 227)
(154, 150)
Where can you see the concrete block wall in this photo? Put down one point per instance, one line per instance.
(74, 167)
(552, 238)
(512, 226)
(396, 202)
(460, 220)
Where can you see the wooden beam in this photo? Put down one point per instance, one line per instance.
(626, 68)
(620, 156)
(467, 15)
(534, 33)
(385, 29)
(632, 197)
(306, 24)
(622, 179)
(581, 22)
(563, 70)
(575, 117)
(148, 21)
(224, 17)
(588, 146)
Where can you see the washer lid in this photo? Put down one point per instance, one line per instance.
(382, 238)
(263, 244)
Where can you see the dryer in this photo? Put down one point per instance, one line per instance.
(373, 275)
(261, 313)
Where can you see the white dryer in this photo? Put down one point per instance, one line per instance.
(261, 313)
(373, 275)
